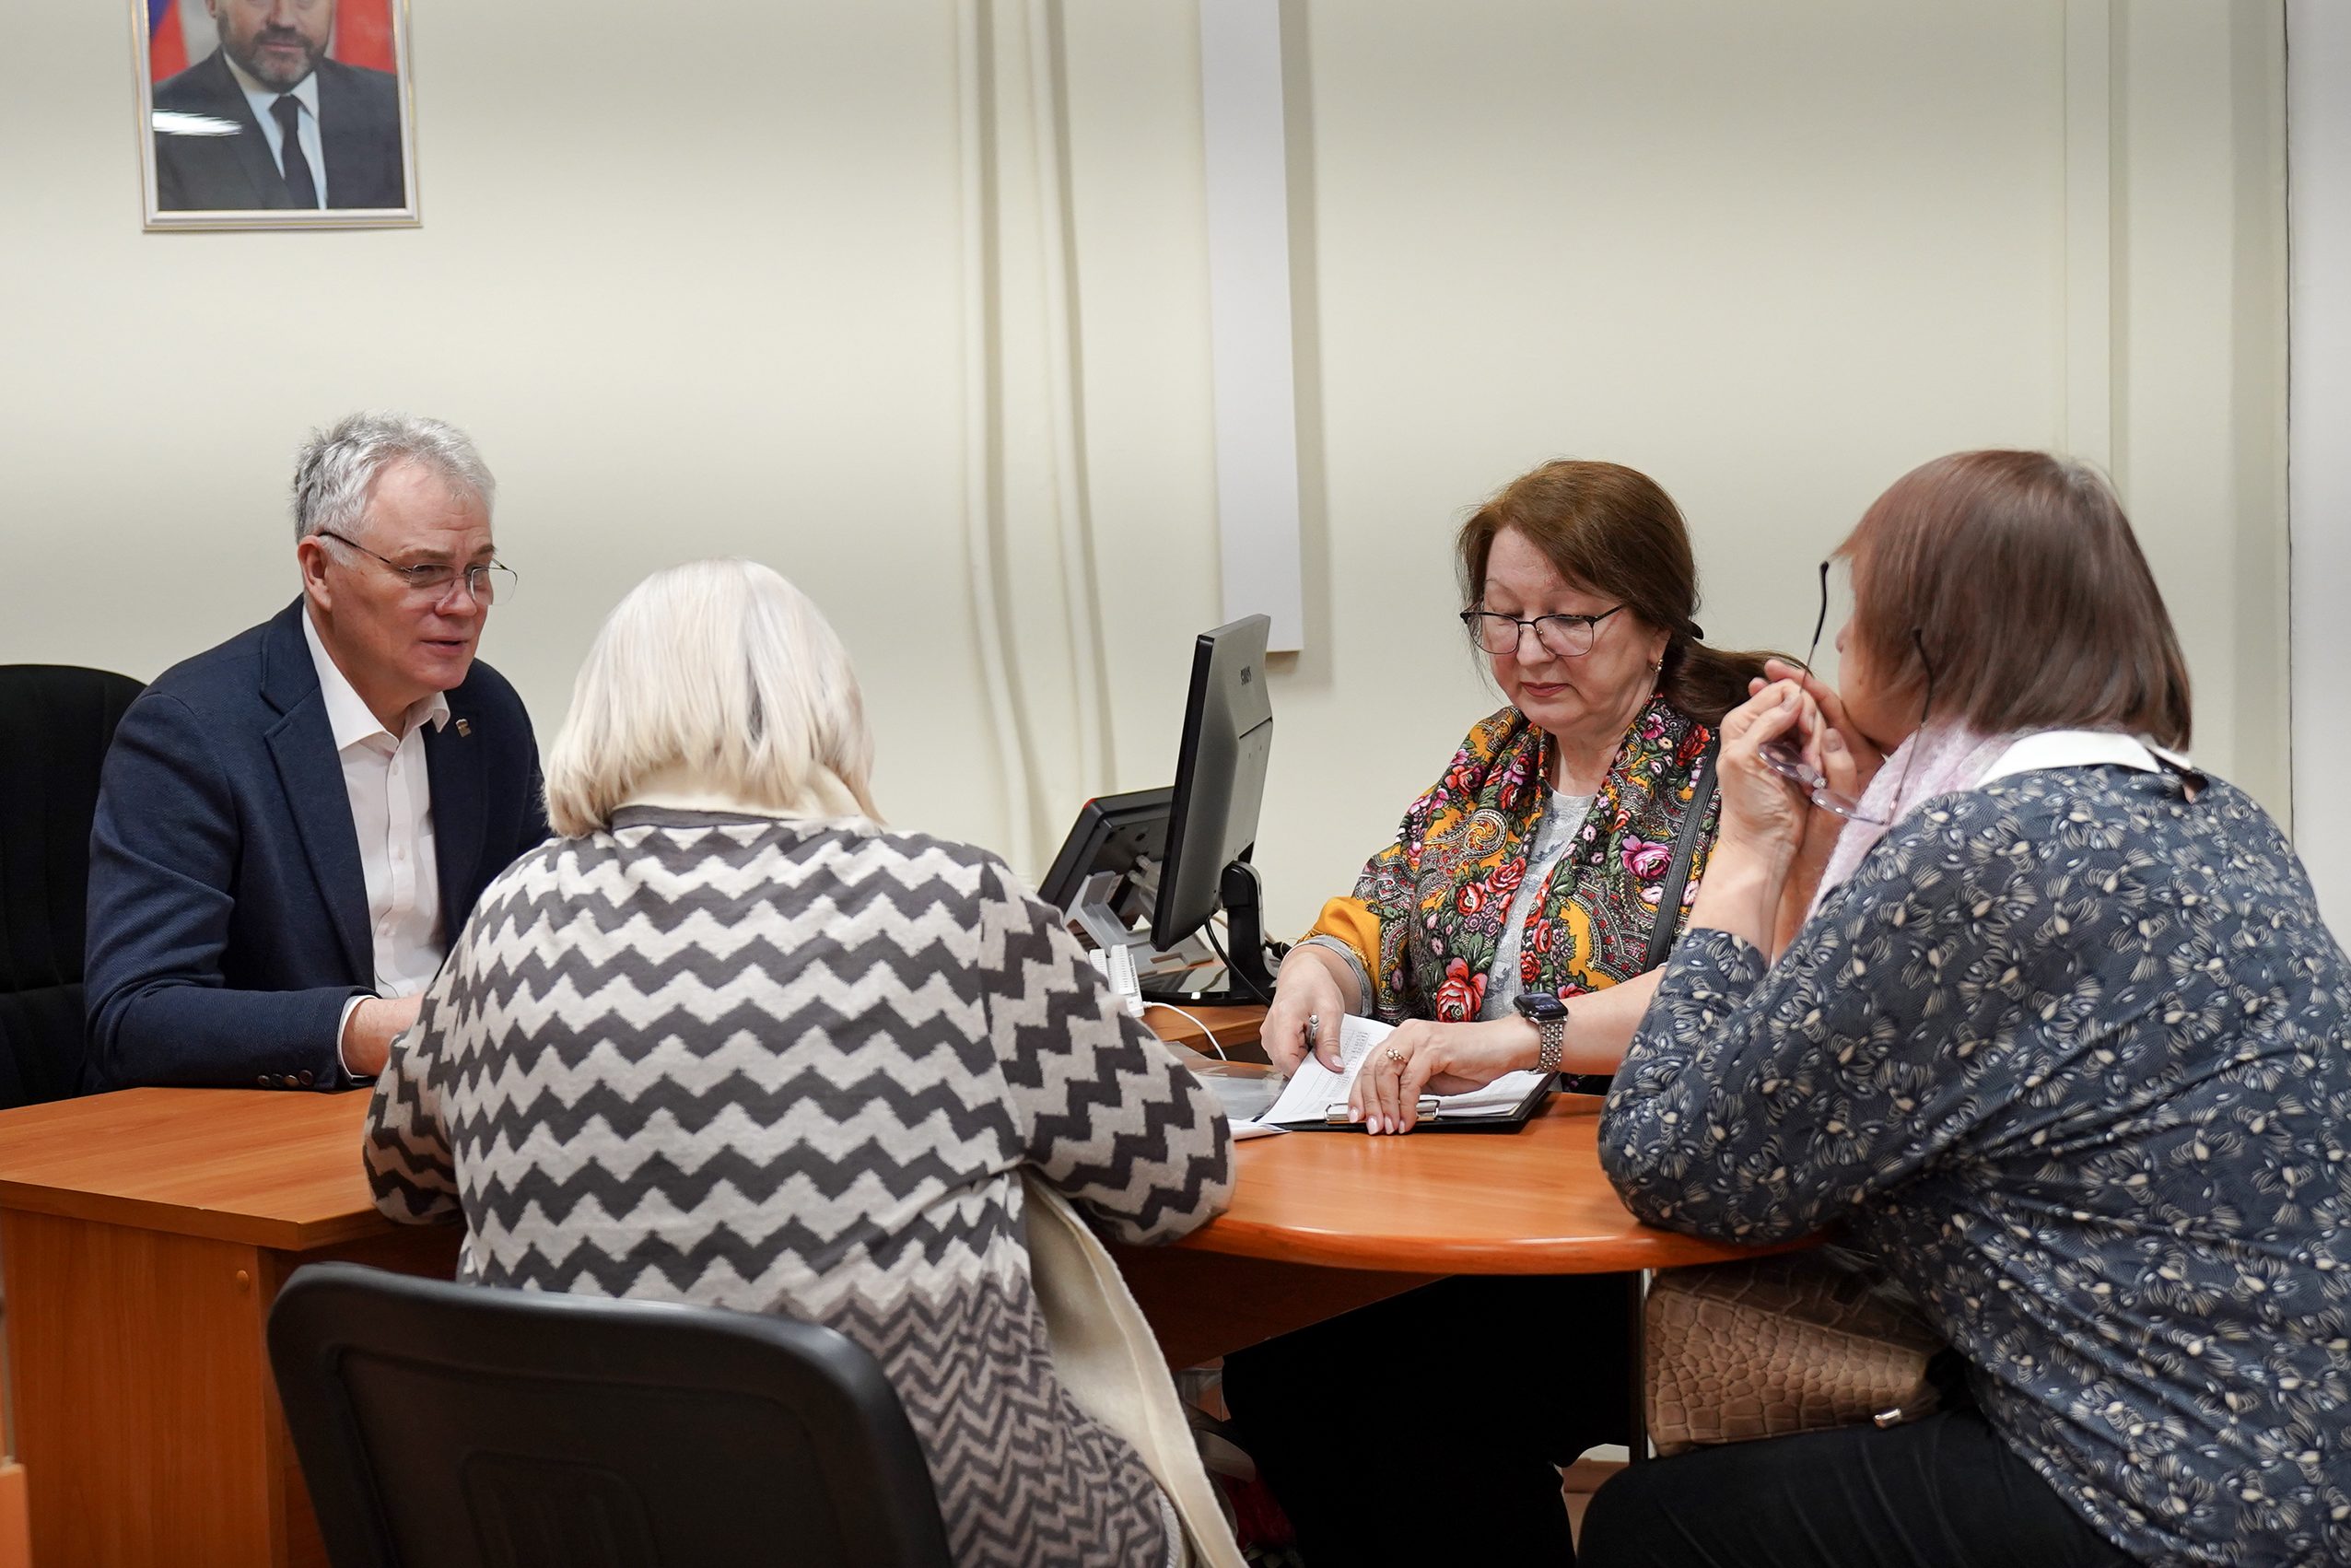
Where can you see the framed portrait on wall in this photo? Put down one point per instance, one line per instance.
(275, 113)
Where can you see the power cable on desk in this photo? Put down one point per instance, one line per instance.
(1196, 1024)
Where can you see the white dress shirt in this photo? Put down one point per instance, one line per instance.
(392, 808)
(264, 100)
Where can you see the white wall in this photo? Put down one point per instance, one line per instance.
(1776, 255)
(690, 297)
(704, 293)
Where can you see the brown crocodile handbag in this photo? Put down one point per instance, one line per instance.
(1770, 1346)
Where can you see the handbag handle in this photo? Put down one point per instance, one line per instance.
(1702, 798)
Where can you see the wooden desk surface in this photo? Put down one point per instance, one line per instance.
(148, 1230)
(1237, 1028)
(274, 1168)
(281, 1170)
(271, 1169)
(1528, 1202)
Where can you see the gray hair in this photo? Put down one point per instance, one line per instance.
(337, 467)
(717, 680)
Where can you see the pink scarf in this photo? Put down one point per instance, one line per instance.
(1949, 757)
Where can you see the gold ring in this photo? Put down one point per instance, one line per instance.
(1396, 1056)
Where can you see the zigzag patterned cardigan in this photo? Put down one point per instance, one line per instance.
(798, 1067)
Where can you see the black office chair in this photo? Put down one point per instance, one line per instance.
(456, 1426)
(55, 723)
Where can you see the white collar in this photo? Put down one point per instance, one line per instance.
(349, 717)
(681, 799)
(262, 96)
(823, 798)
(2078, 748)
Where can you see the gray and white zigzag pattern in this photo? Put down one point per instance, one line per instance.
(797, 1067)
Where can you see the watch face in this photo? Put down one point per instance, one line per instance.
(1542, 1006)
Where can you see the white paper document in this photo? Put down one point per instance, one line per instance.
(1314, 1090)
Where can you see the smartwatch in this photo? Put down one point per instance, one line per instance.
(1548, 1015)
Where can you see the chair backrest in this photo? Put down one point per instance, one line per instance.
(459, 1426)
(55, 723)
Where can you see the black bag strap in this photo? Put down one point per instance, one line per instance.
(1702, 798)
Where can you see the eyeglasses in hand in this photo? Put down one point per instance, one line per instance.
(1786, 759)
(492, 582)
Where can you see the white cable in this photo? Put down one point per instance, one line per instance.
(1003, 710)
(1070, 510)
(1196, 1024)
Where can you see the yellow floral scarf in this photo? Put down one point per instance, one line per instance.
(1427, 913)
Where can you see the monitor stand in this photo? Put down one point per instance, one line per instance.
(1247, 981)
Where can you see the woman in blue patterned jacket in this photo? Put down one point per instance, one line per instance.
(2063, 1042)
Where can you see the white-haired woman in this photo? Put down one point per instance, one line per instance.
(728, 1040)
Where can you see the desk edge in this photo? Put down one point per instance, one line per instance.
(1642, 1249)
(180, 1219)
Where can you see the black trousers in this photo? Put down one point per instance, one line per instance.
(1942, 1493)
(1429, 1428)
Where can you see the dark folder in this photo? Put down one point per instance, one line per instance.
(1434, 1119)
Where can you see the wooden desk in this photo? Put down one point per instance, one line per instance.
(1326, 1222)
(144, 1234)
(1236, 1029)
(15, 1530)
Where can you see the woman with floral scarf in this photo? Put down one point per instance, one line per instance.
(1539, 866)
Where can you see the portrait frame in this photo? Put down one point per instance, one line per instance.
(205, 164)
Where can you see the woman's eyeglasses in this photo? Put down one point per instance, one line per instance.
(1786, 759)
(1561, 637)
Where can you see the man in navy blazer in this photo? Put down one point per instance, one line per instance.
(292, 826)
(223, 142)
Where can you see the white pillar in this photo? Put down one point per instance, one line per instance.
(1248, 275)
(2318, 110)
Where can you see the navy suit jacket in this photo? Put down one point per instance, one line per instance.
(228, 910)
(358, 131)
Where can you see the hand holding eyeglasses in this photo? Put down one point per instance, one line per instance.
(1790, 759)
(1785, 759)
(1801, 760)
(1774, 745)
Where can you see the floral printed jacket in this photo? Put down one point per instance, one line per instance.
(2072, 1055)
(1428, 910)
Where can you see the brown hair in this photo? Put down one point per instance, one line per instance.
(1614, 531)
(2018, 574)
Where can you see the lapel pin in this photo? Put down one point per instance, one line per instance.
(464, 729)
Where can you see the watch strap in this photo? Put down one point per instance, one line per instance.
(1550, 1043)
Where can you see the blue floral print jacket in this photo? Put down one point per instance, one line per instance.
(2070, 1054)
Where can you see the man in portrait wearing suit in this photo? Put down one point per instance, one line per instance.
(308, 131)
(293, 826)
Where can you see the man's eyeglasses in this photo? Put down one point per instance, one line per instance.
(1786, 758)
(1561, 637)
(492, 582)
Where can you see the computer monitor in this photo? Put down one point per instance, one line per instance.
(1213, 819)
(1107, 876)
(1156, 865)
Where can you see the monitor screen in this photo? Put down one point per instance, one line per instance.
(1220, 776)
(1123, 835)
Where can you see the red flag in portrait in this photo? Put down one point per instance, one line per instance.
(167, 45)
(363, 35)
